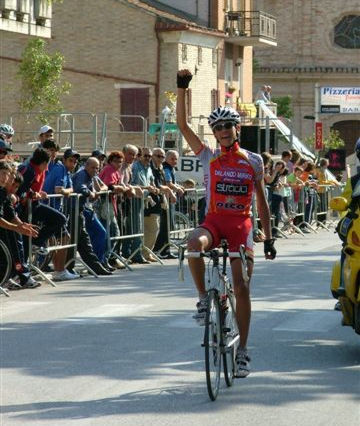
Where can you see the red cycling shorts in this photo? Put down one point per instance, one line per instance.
(236, 229)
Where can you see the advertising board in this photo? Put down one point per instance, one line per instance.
(340, 100)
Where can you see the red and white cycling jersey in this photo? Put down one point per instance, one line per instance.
(229, 177)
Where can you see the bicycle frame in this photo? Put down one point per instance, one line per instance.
(221, 330)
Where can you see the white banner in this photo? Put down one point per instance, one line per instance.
(343, 100)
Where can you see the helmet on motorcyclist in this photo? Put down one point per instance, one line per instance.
(339, 204)
(357, 149)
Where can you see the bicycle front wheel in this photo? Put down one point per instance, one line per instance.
(230, 339)
(212, 343)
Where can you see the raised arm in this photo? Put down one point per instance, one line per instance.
(183, 80)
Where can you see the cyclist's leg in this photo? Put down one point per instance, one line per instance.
(243, 302)
(239, 232)
(199, 240)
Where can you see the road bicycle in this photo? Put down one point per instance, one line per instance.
(221, 335)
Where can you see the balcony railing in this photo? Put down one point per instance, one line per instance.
(32, 17)
(250, 28)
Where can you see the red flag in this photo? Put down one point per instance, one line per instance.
(319, 136)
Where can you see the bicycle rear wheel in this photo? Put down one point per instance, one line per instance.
(212, 343)
(230, 332)
(5, 263)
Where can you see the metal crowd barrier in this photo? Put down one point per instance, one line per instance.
(308, 208)
(181, 218)
(184, 216)
(68, 239)
(128, 226)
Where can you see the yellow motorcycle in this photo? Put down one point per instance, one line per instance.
(345, 280)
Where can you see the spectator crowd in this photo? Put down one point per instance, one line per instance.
(84, 207)
(117, 209)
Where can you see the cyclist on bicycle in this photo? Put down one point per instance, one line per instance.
(231, 174)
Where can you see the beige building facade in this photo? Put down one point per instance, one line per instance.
(121, 57)
(318, 43)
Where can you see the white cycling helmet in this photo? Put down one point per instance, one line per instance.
(223, 114)
(6, 129)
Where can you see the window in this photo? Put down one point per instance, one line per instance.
(134, 101)
(200, 58)
(347, 32)
(214, 57)
(30, 17)
(184, 56)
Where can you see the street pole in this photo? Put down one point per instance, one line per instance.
(164, 114)
(317, 114)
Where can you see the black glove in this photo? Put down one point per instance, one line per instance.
(183, 81)
(269, 249)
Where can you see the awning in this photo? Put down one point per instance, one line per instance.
(156, 128)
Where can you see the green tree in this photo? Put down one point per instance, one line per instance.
(332, 141)
(41, 84)
(283, 106)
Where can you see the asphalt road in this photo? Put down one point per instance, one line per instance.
(124, 350)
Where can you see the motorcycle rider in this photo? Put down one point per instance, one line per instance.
(351, 183)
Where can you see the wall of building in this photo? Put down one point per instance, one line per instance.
(97, 56)
(306, 54)
(108, 46)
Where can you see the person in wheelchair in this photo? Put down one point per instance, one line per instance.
(12, 229)
(231, 176)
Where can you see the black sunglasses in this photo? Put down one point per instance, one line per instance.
(3, 152)
(159, 156)
(221, 126)
(146, 155)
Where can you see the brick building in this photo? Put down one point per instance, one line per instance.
(318, 42)
(122, 56)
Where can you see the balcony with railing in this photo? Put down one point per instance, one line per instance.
(31, 17)
(250, 28)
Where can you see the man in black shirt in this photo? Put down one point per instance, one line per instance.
(157, 203)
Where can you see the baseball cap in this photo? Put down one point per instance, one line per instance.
(4, 145)
(98, 153)
(45, 129)
(71, 153)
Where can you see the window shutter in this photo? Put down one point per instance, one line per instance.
(214, 99)
(134, 101)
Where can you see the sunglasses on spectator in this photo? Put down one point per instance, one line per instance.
(147, 156)
(221, 126)
(159, 156)
(3, 152)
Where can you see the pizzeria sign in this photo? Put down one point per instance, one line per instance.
(340, 100)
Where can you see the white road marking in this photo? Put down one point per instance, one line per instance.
(309, 304)
(106, 313)
(17, 307)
